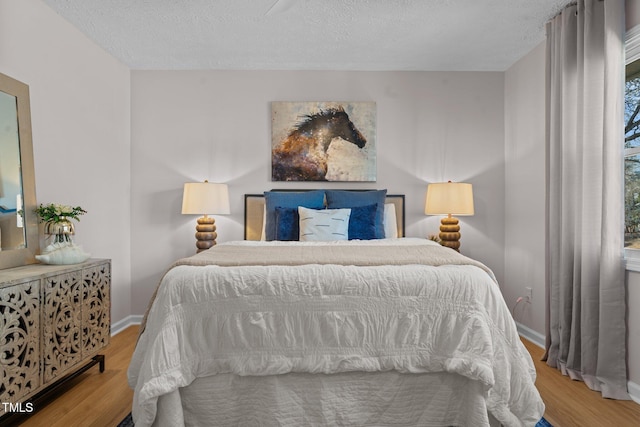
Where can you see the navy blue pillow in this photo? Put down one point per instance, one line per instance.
(288, 199)
(349, 199)
(287, 224)
(362, 222)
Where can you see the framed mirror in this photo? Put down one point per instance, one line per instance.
(19, 241)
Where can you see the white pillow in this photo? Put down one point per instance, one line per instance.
(390, 222)
(324, 224)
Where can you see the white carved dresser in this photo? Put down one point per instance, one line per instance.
(54, 320)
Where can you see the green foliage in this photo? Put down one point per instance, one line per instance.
(54, 212)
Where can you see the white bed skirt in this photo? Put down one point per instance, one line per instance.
(347, 399)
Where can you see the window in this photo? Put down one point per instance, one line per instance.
(632, 156)
(632, 150)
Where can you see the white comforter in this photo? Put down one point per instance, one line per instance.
(324, 319)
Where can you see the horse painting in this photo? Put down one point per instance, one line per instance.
(302, 155)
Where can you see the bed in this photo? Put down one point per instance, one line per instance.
(390, 331)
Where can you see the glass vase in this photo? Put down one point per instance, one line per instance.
(60, 230)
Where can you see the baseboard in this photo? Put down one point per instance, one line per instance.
(634, 391)
(531, 335)
(123, 324)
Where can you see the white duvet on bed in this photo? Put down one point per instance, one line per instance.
(331, 319)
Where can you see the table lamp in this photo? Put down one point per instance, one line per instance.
(205, 198)
(449, 198)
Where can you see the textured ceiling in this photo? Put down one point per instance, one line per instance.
(447, 35)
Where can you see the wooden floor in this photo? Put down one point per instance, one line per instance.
(102, 400)
(94, 399)
(571, 403)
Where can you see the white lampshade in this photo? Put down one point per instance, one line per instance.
(449, 198)
(205, 198)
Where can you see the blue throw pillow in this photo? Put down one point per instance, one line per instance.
(288, 199)
(350, 199)
(287, 224)
(362, 223)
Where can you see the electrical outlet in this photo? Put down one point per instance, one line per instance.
(529, 294)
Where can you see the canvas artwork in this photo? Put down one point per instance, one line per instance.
(323, 141)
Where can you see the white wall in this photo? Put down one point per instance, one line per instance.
(81, 134)
(525, 188)
(215, 125)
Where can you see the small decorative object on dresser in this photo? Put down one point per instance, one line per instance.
(57, 223)
(54, 320)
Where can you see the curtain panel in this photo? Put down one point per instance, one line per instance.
(586, 329)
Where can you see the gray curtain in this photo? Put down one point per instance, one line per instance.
(586, 330)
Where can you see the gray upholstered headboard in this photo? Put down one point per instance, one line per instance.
(254, 213)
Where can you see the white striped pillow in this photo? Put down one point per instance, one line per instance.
(324, 224)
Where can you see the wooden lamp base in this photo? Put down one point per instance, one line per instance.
(450, 233)
(205, 233)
